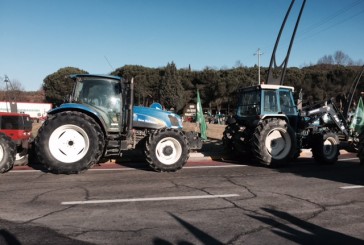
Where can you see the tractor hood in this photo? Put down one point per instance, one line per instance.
(147, 117)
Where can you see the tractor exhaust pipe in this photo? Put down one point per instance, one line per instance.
(130, 109)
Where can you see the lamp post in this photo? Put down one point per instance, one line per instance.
(258, 53)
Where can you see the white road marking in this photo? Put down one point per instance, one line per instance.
(348, 159)
(23, 171)
(186, 167)
(114, 169)
(352, 187)
(133, 169)
(147, 199)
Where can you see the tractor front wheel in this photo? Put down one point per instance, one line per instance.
(325, 148)
(167, 150)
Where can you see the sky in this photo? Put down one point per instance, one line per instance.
(39, 37)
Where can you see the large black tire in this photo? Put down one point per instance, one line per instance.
(235, 139)
(360, 153)
(274, 142)
(167, 150)
(7, 153)
(69, 142)
(227, 137)
(325, 148)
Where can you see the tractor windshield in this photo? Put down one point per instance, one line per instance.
(15, 122)
(278, 101)
(287, 104)
(249, 103)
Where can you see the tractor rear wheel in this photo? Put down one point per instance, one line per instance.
(167, 150)
(274, 142)
(325, 148)
(69, 142)
(7, 153)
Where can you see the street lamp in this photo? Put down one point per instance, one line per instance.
(258, 53)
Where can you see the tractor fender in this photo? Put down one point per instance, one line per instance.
(281, 116)
(80, 108)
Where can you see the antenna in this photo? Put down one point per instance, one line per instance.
(107, 60)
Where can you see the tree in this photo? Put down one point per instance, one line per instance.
(326, 59)
(57, 86)
(171, 90)
(13, 91)
(341, 58)
(145, 81)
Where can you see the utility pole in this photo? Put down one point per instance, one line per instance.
(11, 97)
(258, 53)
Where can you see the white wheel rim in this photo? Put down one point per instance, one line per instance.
(168, 151)
(1, 152)
(278, 143)
(329, 148)
(18, 157)
(69, 143)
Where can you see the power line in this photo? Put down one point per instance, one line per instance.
(331, 26)
(314, 29)
(331, 17)
(336, 14)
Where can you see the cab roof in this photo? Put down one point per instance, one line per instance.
(267, 86)
(74, 76)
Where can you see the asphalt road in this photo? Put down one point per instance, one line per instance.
(207, 202)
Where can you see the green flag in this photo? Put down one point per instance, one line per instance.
(200, 118)
(357, 123)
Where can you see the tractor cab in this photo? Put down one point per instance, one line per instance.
(102, 94)
(262, 101)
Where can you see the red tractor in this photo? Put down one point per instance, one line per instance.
(15, 136)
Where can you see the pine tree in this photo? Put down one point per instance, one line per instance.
(171, 91)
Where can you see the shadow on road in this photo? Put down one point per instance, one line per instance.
(202, 236)
(346, 171)
(24, 233)
(8, 238)
(301, 231)
(349, 172)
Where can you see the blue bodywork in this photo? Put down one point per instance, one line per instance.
(143, 117)
(149, 116)
(107, 100)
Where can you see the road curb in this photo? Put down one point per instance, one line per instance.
(306, 153)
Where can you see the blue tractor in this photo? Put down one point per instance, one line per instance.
(101, 122)
(271, 127)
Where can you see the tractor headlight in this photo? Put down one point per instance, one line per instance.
(176, 121)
